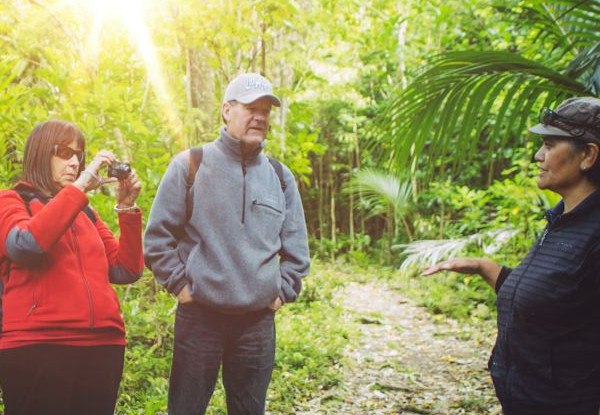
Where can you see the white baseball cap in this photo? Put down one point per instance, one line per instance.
(249, 87)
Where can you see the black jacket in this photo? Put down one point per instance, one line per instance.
(547, 354)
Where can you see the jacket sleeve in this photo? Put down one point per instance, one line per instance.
(294, 256)
(26, 239)
(504, 272)
(165, 223)
(125, 256)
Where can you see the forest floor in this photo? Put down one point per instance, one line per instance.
(404, 360)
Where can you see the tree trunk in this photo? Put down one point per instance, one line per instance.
(332, 218)
(263, 50)
(320, 186)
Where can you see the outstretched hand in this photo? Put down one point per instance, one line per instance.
(488, 269)
(462, 265)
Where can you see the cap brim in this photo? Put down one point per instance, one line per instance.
(544, 129)
(247, 99)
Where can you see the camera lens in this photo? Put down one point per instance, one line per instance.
(119, 170)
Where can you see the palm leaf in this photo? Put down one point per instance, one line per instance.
(379, 189)
(470, 101)
(426, 253)
(571, 25)
(446, 108)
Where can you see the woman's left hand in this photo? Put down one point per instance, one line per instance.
(128, 191)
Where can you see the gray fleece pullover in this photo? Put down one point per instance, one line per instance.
(245, 243)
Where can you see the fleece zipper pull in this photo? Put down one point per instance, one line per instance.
(243, 189)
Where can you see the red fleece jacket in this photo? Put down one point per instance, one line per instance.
(66, 298)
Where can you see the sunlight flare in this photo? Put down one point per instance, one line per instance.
(130, 14)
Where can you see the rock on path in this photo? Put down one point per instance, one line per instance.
(406, 361)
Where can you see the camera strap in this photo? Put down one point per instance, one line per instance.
(28, 195)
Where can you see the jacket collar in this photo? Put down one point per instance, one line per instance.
(586, 204)
(23, 185)
(235, 147)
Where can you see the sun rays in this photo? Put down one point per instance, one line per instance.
(130, 15)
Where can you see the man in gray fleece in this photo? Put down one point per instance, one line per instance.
(233, 249)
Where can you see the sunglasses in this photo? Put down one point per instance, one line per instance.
(550, 117)
(66, 153)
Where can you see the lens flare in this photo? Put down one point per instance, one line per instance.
(131, 15)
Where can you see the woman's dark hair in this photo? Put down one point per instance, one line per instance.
(593, 173)
(39, 149)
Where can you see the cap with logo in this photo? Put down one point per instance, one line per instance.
(249, 87)
(577, 117)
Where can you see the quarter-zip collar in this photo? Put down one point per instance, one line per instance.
(235, 148)
(556, 213)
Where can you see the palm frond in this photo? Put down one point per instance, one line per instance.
(586, 66)
(460, 95)
(571, 25)
(380, 189)
(429, 252)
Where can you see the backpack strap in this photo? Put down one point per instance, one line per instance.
(195, 159)
(29, 195)
(279, 171)
(194, 162)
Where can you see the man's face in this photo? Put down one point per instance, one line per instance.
(248, 122)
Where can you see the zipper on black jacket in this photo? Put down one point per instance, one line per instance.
(543, 238)
(85, 281)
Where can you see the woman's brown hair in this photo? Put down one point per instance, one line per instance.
(39, 149)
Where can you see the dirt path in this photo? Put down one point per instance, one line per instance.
(405, 361)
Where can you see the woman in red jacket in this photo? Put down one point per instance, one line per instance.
(63, 339)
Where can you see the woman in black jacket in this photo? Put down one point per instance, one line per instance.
(546, 359)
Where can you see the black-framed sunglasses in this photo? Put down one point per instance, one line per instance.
(550, 117)
(66, 152)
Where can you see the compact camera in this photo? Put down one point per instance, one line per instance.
(119, 170)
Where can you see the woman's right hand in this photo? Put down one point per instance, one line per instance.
(90, 179)
(462, 265)
(488, 269)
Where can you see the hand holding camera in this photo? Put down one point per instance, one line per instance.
(119, 170)
(129, 185)
(128, 189)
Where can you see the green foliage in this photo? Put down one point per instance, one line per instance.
(464, 97)
(14, 119)
(513, 203)
(457, 296)
(380, 192)
(148, 311)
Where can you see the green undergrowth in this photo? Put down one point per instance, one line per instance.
(310, 339)
(465, 298)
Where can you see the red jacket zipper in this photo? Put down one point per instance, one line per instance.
(85, 281)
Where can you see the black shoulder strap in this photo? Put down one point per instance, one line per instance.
(29, 195)
(279, 171)
(195, 159)
(193, 164)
